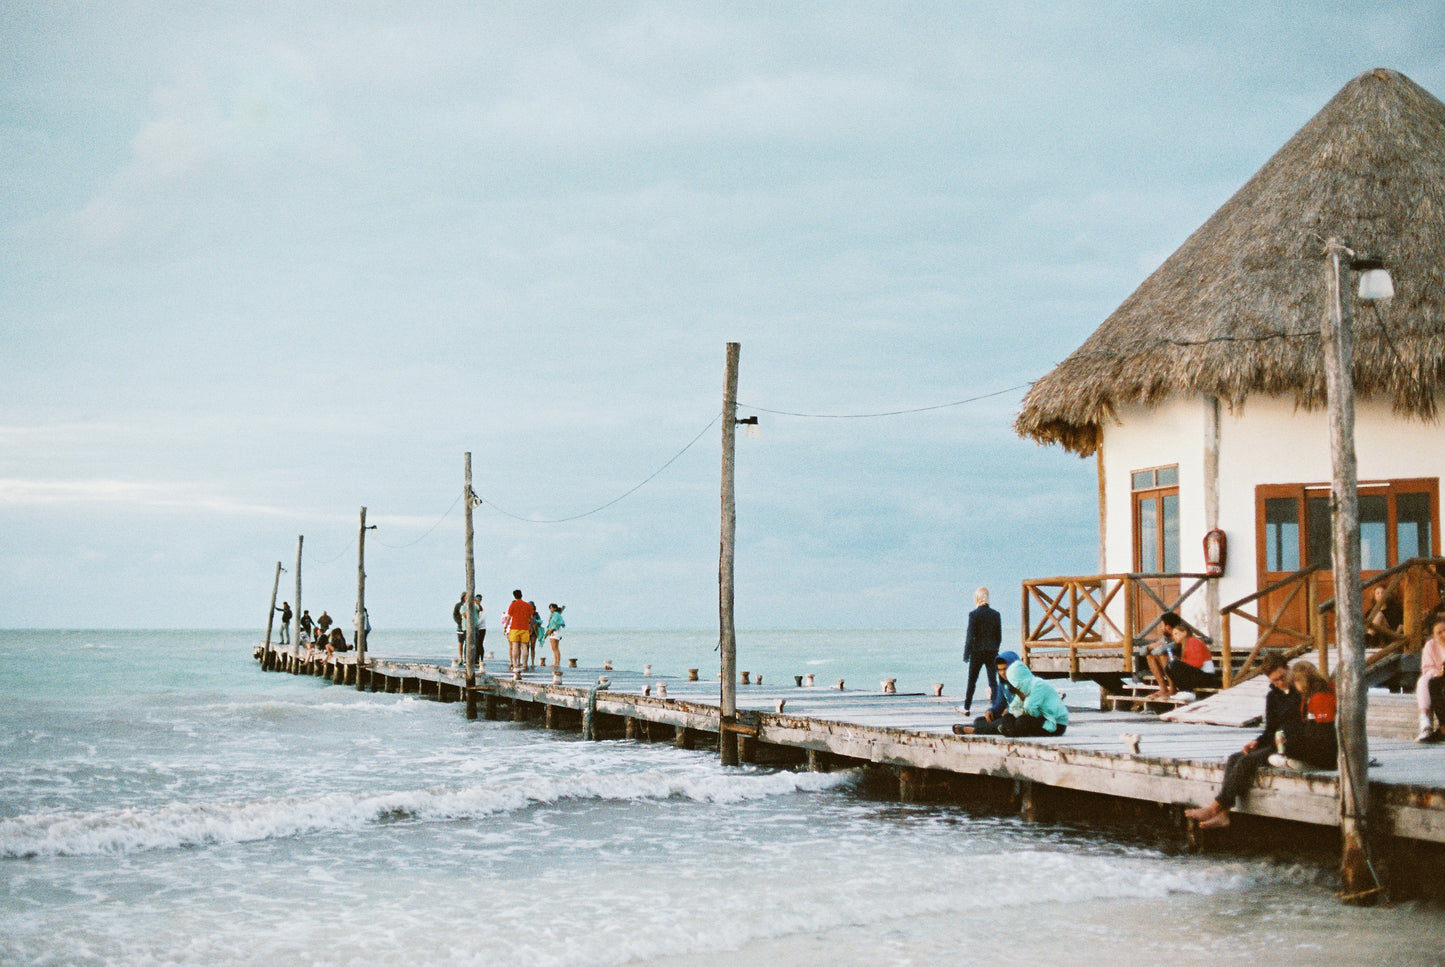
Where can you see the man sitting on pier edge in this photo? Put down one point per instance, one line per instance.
(1281, 708)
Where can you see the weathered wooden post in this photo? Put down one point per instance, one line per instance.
(470, 654)
(1358, 882)
(271, 615)
(361, 597)
(296, 631)
(727, 636)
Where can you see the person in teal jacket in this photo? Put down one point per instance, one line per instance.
(1036, 708)
(555, 624)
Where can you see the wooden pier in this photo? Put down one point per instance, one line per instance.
(1131, 760)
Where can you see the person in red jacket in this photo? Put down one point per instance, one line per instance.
(1193, 669)
(1312, 740)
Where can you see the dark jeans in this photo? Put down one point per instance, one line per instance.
(1187, 678)
(1312, 742)
(1437, 699)
(1025, 725)
(1239, 772)
(982, 726)
(986, 661)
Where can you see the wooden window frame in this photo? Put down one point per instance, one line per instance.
(1391, 489)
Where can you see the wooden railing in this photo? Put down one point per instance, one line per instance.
(1098, 615)
(1419, 585)
(1294, 621)
(1290, 619)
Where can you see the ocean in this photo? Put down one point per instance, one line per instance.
(163, 801)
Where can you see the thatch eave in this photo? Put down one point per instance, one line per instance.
(1235, 311)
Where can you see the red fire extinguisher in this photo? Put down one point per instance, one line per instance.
(1216, 550)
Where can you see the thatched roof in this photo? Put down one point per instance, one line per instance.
(1237, 309)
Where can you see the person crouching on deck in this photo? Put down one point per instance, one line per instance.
(1036, 708)
(990, 721)
(1281, 711)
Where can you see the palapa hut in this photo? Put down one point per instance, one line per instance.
(1202, 396)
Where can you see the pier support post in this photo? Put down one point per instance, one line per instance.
(682, 738)
(519, 710)
(912, 784)
(1033, 801)
(819, 761)
(629, 728)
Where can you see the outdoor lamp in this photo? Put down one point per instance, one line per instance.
(1375, 281)
(750, 427)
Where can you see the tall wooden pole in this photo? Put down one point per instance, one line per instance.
(727, 636)
(275, 586)
(1358, 881)
(471, 641)
(296, 633)
(361, 599)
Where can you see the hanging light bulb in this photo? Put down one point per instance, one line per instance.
(1375, 282)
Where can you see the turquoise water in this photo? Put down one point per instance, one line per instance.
(162, 801)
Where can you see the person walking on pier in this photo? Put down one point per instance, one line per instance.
(303, 624)
(285, 610)
(519, 629)
(980, 647)
(1281, 711)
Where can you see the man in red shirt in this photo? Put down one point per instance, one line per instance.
(519, 628)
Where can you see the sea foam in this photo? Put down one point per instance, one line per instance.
(179, 825)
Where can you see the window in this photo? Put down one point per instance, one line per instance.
(1156, 520)
(1399, 519)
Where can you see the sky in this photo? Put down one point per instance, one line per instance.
(268, 263)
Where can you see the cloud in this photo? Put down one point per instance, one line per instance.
(18, 493)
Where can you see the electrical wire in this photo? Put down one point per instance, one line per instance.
(870, 416)
(617, 499)
(444, 516)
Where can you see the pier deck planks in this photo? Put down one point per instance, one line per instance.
(1178, 763)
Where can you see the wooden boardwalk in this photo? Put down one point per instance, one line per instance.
(1178, 764)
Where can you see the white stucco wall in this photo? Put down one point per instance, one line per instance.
(1266, 441)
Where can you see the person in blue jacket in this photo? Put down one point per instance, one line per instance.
(988, 723)
(1036, 708)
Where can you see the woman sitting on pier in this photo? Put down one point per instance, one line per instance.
(1430, 688)
(1194, 668)
(1281, 709)
(1311, 741)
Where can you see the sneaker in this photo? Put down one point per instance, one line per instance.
(1185, 697)
(958, 730)
(1278, 761)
